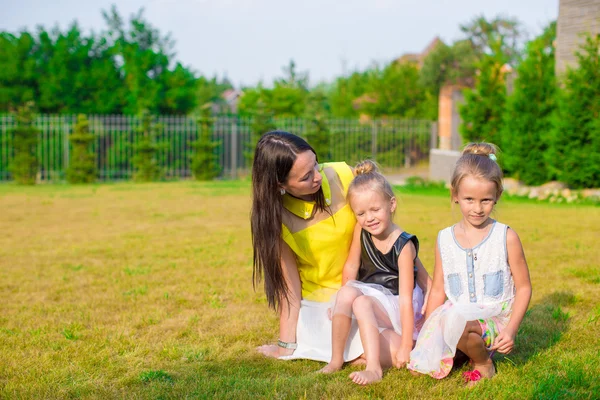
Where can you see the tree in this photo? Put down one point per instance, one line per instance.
(82, 162)
(344, 91)
(205, 162)
(317, 133)
(262, 123)
(142, 56)
(529, 112)
(485, 36)
(24, 165)
(481, 113)
(144, 161)
(574, 154)
(18, 73)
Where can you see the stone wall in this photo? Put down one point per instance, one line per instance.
(574, 18)
(441, 164)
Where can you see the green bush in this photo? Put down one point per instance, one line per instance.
(145, 160)
(82, 162)
(24, 165)
(205, 163)
(574, 156)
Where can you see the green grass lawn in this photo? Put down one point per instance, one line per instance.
(144, 291)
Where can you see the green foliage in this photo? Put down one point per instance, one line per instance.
(262, 123)
(317, 132)
(574, 155)
(288, 97)
(343, 93)
(18, 75)
(529, 111)
(145, 160)
(485, 35)
(24, 165)
(205, 162)
(82, 162)
(123, 70)
(481, 113)
(209, 92)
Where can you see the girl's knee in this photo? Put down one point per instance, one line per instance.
(470, 327)
(346, 295)
(361, 304)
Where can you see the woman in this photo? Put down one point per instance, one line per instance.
(301, 233)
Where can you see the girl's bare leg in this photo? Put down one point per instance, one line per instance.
(341, 323)
(370, 316)
(471, 343)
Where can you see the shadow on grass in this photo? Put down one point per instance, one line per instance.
(542, 327)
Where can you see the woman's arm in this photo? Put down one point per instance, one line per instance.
(406, 262)
(289, 308)
(350, 271)
(520, 272)
(437, 296)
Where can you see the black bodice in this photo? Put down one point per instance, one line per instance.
(376, 267)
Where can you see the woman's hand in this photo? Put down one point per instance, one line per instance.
(272, 350)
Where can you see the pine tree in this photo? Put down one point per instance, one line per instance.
(317, 133)
(144, 161)
(205, 165)
(529, 111)
(82, 162)
(574, 156)
(24, 165)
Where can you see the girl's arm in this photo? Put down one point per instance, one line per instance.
(350, 271)
(424, 282)
(437, 296)
(289, 309)
(505, 341)
(406, 262)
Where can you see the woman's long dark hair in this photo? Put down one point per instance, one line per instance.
(274, 157)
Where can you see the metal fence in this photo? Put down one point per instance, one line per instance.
(392, 143)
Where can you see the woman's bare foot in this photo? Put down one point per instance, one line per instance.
(331, 368)
(366, 377)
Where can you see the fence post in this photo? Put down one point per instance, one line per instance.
(374, 140)
(233, 148)
(434, 136)
(66, 149)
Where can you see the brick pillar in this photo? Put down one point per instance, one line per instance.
(449, 118)
(574, 18)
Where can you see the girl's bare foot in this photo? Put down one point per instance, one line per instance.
(480, 371)
(366, 377)
(358, 361)
(330, 368)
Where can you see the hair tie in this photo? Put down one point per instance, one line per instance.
(492, 157)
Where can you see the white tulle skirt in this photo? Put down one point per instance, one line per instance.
(390, 304)
(313, 335)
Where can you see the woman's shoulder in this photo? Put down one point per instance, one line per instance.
(339, 171)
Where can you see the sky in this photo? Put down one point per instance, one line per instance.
(251, 40)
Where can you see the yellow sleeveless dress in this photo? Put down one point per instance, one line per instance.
(321, 249)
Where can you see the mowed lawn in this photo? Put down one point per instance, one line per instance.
(144, 291)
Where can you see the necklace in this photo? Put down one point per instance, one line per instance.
(469, 242)
(386, 244)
